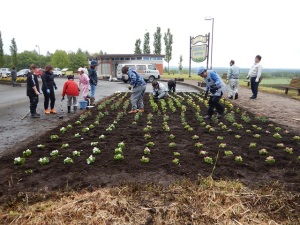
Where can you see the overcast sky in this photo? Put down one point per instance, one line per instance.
(242, 28)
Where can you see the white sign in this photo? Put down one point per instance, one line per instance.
(199, 53)
(199, 38)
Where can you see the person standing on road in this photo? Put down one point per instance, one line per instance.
(139, 87)
(48, 89)
(159, 90)
(233, 80)
(93, 80)
(14, 76)
(33, 90)
(172, 85)
(84, 83)
(72, 91)
(255, 76)
(217, 88)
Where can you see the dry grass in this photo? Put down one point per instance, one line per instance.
(208, 202)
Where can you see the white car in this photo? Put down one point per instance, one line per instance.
(5, 72)
(147, 71)
(23, 73)
(57, 72)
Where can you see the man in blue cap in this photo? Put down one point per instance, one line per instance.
(216, 87)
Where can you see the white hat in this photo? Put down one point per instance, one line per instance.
(80, 69)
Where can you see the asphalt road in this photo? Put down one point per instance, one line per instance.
(14, 104)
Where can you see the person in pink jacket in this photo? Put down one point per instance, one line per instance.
(84, 84)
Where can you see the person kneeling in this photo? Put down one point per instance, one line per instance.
(159, 90)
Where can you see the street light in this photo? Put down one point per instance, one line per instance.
(39, 53)
(212, 38)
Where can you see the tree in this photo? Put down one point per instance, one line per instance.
(27, 58)
(138, 49)
(168, 47)
(1, 52)
(77, 60)
(146, 48)
(60, 59)
(180, 67)
(157, 41)
(14, 53)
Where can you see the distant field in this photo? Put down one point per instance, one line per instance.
(275, 81)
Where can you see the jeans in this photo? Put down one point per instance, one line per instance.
(214, 103)
(93, 89)
(51, 97)
(137, 97)
(254, 87)
(33, 104)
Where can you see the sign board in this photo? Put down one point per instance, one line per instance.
(199, 38)
(199, 53)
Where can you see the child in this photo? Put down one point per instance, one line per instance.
(33, 90)
(72, 91)
(84, 84)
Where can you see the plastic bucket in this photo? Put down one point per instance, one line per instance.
(82, 104)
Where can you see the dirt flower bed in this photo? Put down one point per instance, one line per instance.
(105, 146)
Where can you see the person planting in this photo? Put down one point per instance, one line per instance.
(159, 90)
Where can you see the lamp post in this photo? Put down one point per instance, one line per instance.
(39, 53)
(212, 38)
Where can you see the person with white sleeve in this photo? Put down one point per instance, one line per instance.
(159, 90)
(233, 80)
(217, 88)
(255, 76)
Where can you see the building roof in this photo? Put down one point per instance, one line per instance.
(126, 55)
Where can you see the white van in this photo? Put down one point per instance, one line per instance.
(147, 71)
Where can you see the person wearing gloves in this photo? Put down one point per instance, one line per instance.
(72, 91)
(33, 90)
(48, 87)
(233, 80)
(255, 76)
(84, 84)
(138, 85)
(172, 85)
(159, 90)
(93, 79)
(216, 87)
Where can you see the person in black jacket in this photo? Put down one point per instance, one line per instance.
(33, 90)
(48, 89)
(93, 79)
(14, 76)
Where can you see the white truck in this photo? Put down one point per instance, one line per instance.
(147, 71)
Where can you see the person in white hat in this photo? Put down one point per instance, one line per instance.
(84, 83)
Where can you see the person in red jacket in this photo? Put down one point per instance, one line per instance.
(71, 89)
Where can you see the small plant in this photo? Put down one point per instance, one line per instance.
(172, 144)
(96, 151)
(211, 130)
(277, 129)
(147, 151)
(172, 136)
(77, 135)
(237, 136)
(296, 138)
(220, 138)
(27, 153)
(289, 150)
(195, 137)
(68, 160)
(19, 161)
(176, 153)
(40, 146)
(228, 153)
(263, 152)
(175, 161)
(69, 126)
(44, 160)
(280, 145)
(63, 130)
(252, 145)
(270, 159)
(208, 160)
(150, 144)
(238, 159)
(54, 137)
(76, 153)
(91, 126)
(54, 153)
(85, 129)
(65, 145)
(95, 143)
(298, 157)
(147, 136)
(102, 136)
(118, 151)
(222, 145)
(144, 159)
(202, 152)
(121, 145)
(256, 135)
(118, 157)
(248, 131)
(199, 145)
(90, 159)
(77, 122)
(277, 136)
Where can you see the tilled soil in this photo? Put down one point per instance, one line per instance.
(31, 177)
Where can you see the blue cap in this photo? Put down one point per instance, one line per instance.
(94, 63)
(200, 70)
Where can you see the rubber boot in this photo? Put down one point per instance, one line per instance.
(92, 101)
(69, 109)
(75, 109)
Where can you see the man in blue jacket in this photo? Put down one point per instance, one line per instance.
(217, 88)
(139, 87)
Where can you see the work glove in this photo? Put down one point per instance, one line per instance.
(248, 77)
(257, 80)
(55, 87)
(63, 98)
(206, 94)
(129, 87)
(48, 91)
(213, 89)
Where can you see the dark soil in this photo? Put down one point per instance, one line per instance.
(106, 171)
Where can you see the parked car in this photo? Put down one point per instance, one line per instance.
(23, 73)
(147, 71)
(57, 72)
(5, 72)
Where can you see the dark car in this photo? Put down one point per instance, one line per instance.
(23, 73)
